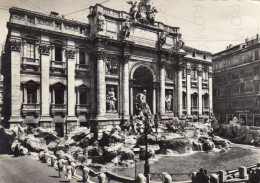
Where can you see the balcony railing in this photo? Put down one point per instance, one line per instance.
(30, 108)
(58, 108)
(82, 67)
(194, 108)
(30, 61)
(58, 64)
(206, 108)
(205, 80)
(194, 84)
(82, 108)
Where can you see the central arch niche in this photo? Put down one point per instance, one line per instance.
(143, 80)
(143, 75)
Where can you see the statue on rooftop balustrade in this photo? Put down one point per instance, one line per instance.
(142, 12)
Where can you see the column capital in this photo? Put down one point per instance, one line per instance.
(101, 54)
(15, 45)
(163, 63)
(188, 70)
(180, 66)
(126, 58)
(70, 53)
(44, 49)
(210, 74)
(199, 72)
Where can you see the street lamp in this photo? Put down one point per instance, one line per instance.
(136, 157)
(146, 131)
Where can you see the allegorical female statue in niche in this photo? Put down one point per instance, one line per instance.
(168, 101)
(111, 100)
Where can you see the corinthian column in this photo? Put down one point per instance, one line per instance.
(180, 105)
(162, 88)
(210, 93)
(188, 93)
(101, 85)
(126, 87)
(200, 90)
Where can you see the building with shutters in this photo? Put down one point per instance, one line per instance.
(236, 82)
(65, 73)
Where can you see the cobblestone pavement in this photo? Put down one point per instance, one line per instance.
(26, 169)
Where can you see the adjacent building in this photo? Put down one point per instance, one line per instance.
(60, 73)
(236, 79)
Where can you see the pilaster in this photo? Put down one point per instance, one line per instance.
(210, 93)
(180, 105)
(188, 91)
(71, 96)
(126, 86)
(15, 81)
(162, 87)
(200, 90)
(101, 85)
(45, 82)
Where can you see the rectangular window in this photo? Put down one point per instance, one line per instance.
(31, 20)
(193, 74)
(31, 95)
(59, 96)
(256, 70)
(184, 100)
(184, 73)
(194, 101)
(228, 90)
(256, 120)
(235, 76)
(242, 73)
(58, 53)
(30, 51)
(242, 87)
(235, 88)
(83, 98)
(82, 57)
(205, 75)
(242, 119)
(256, 86)
(229, 117)
(256, 55)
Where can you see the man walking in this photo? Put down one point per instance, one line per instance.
(60, 166)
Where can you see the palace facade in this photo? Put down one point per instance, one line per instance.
(60, 73)
(236, 78)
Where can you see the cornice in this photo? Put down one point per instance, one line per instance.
(61, 34)
(59, 19)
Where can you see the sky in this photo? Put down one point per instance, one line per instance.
(208, 25)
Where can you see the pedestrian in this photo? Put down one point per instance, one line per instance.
(199, 176)
(205, 177)
(73, 164)
(60, 166)
(253, 177)
(16, 150)
(85, 174)
(69, 171)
